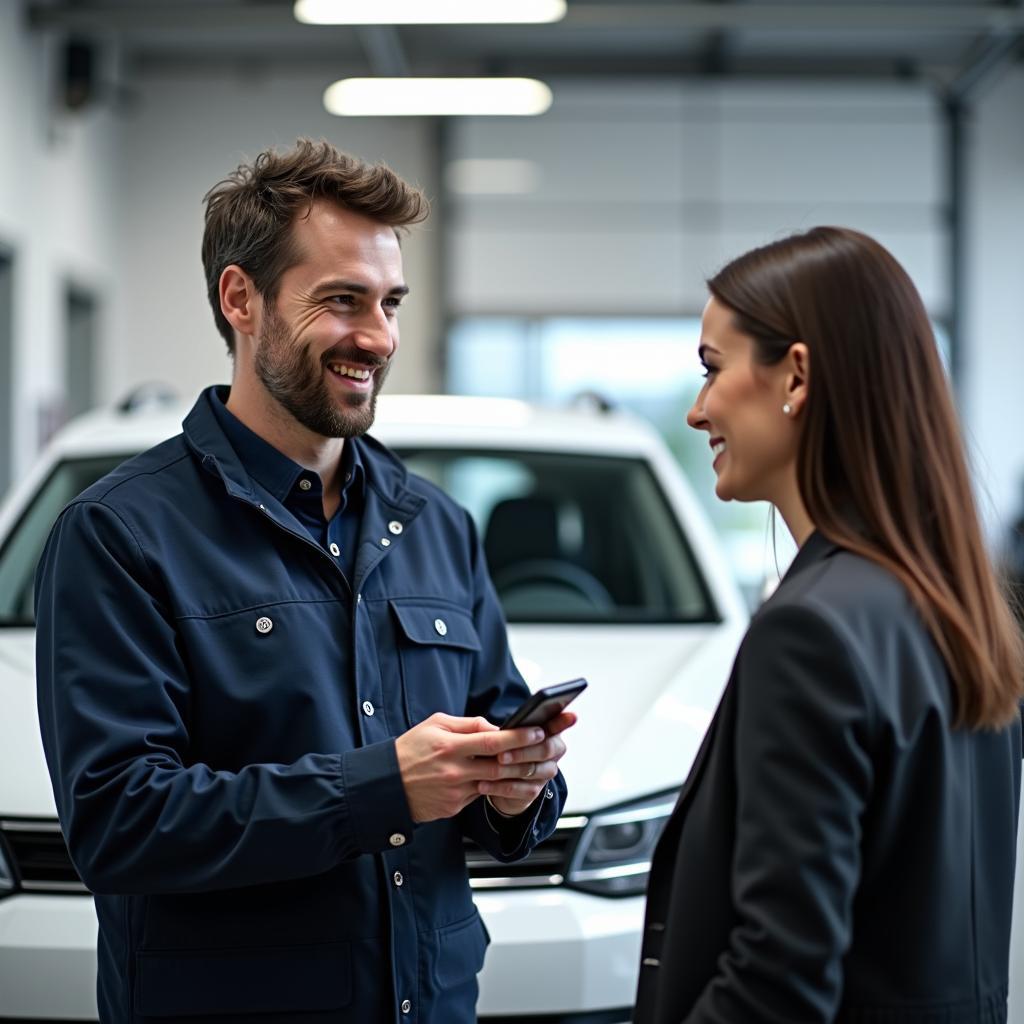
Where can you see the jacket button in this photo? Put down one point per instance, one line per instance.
(367, 709)
(304, 484)
(334, 549)
(406, 1006)
(441, 626)
(397, 839)
(549, 793)
(395, 527)
(399, 879)
(384, 542)
(264, 625)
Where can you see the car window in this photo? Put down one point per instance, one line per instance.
(572, 537)
(24, 546)
(568, 537)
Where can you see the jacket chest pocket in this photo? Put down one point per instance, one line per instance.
(436, 645)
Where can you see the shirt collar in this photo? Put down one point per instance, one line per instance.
(274, 470)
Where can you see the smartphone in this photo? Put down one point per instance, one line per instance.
(545, 704)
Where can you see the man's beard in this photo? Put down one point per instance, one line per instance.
(299, 383)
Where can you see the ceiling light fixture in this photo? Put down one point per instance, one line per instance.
(428, 12)
(437, 97)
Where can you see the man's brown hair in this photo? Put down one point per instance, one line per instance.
(881, 465)
(249, 215)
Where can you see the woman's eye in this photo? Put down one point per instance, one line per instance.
(709, 372)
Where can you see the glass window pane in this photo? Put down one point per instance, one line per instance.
(560, 549)
(21, 553)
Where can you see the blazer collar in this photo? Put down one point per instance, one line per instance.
(815, 549)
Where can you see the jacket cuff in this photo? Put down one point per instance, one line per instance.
(376, 798)
(516, 831)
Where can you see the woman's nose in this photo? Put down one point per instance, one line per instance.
(695, 416)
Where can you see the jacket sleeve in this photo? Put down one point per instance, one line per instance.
(803, 776)
(114, 699)
(496, 690)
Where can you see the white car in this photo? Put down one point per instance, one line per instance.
(606, 568)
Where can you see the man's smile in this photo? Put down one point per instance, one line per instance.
(353, 375)
(347, 370)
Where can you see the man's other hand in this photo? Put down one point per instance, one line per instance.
(446, 763)
(527, 770)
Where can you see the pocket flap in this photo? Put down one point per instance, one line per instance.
(441, 625)
(460, 951)
(185, 983)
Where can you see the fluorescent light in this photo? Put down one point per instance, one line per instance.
(428, 12)
(492, 177)
(436, 97)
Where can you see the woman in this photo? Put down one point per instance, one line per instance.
(844, 847)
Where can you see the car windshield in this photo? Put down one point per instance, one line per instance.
(568, 537)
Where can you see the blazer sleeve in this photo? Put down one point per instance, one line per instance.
(496, 690)
(803, 776)
(114, 696)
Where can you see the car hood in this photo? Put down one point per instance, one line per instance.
(653, 692)
(24, 783)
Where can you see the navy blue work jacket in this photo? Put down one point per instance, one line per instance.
(219, 706)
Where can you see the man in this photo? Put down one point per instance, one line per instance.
(269, 658)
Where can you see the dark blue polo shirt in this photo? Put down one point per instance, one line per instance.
(301, 490)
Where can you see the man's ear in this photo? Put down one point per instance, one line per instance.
(798, 369)
(239, 300)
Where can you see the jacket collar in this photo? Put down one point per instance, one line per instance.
(815, 549)
(203, 433)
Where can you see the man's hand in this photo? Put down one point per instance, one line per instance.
(446, 762)
(533, 766)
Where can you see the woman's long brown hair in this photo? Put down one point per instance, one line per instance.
(881, 464)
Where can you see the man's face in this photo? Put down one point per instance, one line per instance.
(325, 345)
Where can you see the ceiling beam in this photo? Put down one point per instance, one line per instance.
(146, 61)
(785, 17)
(703, 15)
(130, 16)
(991, 56)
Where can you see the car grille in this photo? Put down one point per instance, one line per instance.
(546, 865)
(41, 862)
(39, 857)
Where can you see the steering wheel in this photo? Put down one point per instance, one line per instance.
(553, 571)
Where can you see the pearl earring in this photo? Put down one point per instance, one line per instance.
(787, 408)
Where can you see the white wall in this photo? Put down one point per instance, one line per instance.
(646, 189)
(184, 134)
(993, 383)
(58, 212)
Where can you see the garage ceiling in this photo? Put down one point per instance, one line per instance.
(938, 40)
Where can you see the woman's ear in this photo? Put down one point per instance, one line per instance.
(798, 367)
(238, 299)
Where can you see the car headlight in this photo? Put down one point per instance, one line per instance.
(7, 881)
(613, 856)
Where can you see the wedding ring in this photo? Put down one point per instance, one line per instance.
(533, 771)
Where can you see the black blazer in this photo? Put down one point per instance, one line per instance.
(839, 852)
